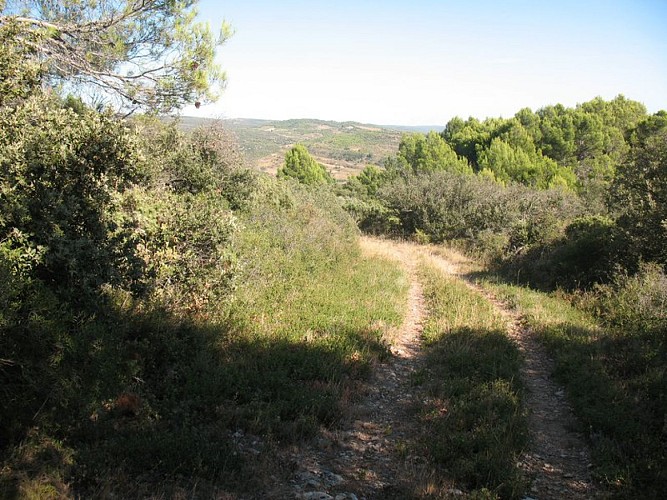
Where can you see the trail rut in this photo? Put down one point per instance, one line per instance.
(370, 455)
(558, 460)
(367, 457)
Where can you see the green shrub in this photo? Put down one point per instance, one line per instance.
(578, 258)
(587, 253)
(448, 206)
(58, 173)
(20, 75)
(639, 196)
(194, 161)
(636, 303)
(183, 241)
(372, 216)
(444, 205)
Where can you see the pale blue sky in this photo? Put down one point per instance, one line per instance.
(421, 62)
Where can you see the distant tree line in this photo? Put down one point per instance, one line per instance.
(567, 195)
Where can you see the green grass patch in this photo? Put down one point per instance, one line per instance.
(475, 426)
(616, 381)
(301, 340)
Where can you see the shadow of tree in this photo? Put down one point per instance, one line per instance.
(616, 381)
(475, 426)
(145, 397)
(617, 384)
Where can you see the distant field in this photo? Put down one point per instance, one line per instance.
(343, 148)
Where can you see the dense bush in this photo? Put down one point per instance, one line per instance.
(579, 256)
(639, 196)
(183, 241)
(636, 303)
(444, 205)
(59, 171)
(185, 162)
(60, 174)
(449, 206)
(103, 272)
(373, 217)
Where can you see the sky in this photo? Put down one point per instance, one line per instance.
(422, 62)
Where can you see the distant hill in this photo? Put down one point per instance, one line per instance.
(424, 129)
(344, 148)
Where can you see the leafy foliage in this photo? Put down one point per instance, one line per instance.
(636, 303)
(640, 197)
(149, 54)
(508, 163)
(59, 172)
(192, 162)
(429, 153)
(449, 206)
(583, 254)
(300, 165)
(19, 75)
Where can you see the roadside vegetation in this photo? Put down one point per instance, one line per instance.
(159, 302)
(202, 300)
(614, 377)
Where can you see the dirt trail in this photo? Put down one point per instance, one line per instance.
(558, 460)
(369, 456)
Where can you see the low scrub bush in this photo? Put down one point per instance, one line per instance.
(373, 217)
(183, 242)
(636, 303)
(445, 205)
(59, 171)
(578, 257)
(185, 162)
(449, 206)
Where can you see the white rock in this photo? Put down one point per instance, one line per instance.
(316, 495)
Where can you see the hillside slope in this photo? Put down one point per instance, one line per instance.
(343, 148)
